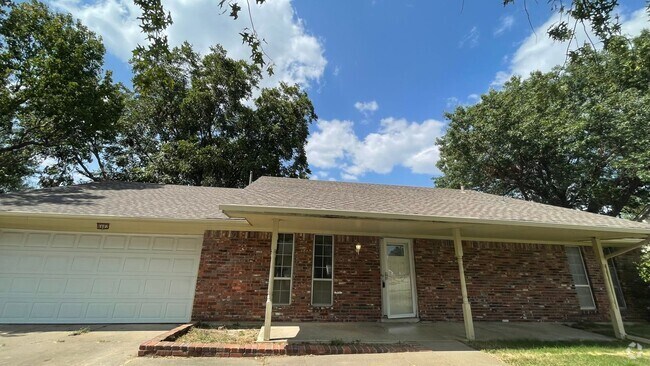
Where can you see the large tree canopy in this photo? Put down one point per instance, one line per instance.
(575, 137)
(191, 120)
(56, 104)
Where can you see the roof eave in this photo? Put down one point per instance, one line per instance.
(237, 211)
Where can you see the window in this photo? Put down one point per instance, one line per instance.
(580, 278)
(321, 287)
(620, 299)
(283, 270)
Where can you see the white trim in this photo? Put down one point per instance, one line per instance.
(231, 210)
(293, 255)
(99, 232)
(586, 274)
(384, 290)
(313, 264)
(628, 249)
(234, 221)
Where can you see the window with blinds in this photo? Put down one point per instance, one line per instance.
(580, 278)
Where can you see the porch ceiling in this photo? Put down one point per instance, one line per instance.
(408, 226)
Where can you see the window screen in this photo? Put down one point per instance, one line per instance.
(580, 278)
(620, 299)
(323, 270)
(283, 270)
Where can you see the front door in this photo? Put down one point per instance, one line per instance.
(398, 285)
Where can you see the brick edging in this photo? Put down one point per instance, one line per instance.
(161, 345)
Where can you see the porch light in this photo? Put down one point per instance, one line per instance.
(357, 248)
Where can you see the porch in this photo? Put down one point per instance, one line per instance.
(378, 227)
(438, 335)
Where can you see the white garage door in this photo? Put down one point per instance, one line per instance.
(56, 277)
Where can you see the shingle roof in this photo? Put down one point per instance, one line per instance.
(124, 199)
(186, 202)
(437, 202)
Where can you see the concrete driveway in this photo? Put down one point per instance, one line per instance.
(118, 344)
(54, 345)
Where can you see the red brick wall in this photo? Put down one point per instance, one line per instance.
(437, 280)
(233, 278)
(233, 274)
(517, 282)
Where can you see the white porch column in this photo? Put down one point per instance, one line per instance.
(269, 294)
(614, 311)
(467, 309)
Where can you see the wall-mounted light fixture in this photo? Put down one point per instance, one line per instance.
(357, 248)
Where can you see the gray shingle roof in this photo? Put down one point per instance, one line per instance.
(438, 202)
(124, 199)
(185, 202)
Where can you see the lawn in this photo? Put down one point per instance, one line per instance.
(636, 329)
(220, 334)
(538, 353)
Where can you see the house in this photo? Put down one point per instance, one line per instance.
(304, 250)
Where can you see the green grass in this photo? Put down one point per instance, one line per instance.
(637, 329)
(539, 353)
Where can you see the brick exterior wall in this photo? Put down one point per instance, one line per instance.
(515, 282)
(233, 279)
(505, 281)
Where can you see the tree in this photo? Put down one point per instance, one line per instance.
(57, 104)
(189, 122)
(575, 137)
(578, 15)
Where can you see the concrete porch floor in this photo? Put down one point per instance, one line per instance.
(424, 332)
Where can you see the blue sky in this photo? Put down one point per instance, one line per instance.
(381, 73)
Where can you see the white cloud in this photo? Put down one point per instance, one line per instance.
(330, 144)
(297, 55)
(346, 176)
(397, 142)
(636, 22)
(452, 102)
(506, 23)
(470, 39)
(366, 107)
(473, 98)
(539, 52)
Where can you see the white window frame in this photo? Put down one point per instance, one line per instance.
(313, 267)
(588, 285)
(293, 255)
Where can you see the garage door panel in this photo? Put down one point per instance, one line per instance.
(16, 310)
(81, 278)
(44, 310)
(63, 241)
(73, 310)
(161, 243)
(115, 242)
(12, 238)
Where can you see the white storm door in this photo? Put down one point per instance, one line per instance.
(398, 280)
